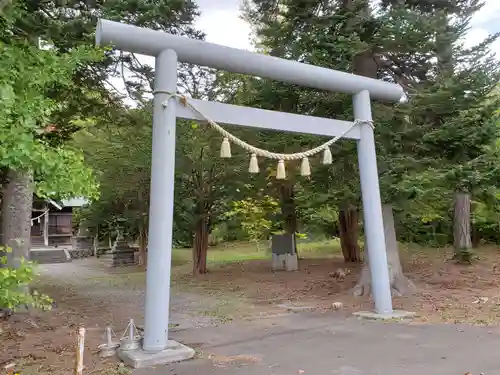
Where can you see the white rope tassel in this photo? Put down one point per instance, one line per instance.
(305, 168)
(280, 172)
(327, 156)
(225, 150)
(254, 165)
(231, 138)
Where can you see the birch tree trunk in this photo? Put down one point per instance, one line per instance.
(17, 205)
(400, 284)
(462, 242)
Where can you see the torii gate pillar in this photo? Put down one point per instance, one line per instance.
(169, 50)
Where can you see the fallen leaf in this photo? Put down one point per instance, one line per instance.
(32, 323)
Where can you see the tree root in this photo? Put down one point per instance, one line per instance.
(400, 286)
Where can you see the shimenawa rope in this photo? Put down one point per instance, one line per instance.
(305, 168)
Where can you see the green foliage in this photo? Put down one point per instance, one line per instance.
(427, 230)
(205, 183)
(441, 140)
(76, 89)
(117, 142)
(26, 75)
(119, 150)
(255, 216)
(316, 218)
(65, 25)
(13, 282)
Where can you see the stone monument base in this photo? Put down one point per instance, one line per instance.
(83, 247)
(120, 258)
(288, 262)
(284, 251)
(121, 254)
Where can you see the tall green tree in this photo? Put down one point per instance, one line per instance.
(30, 163)
(63, 26)
(205, 184)
(405, 42)
(120, 152)
(452, 115)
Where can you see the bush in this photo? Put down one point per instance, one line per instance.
(13, 286)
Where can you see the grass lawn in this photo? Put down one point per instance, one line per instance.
(245, 251)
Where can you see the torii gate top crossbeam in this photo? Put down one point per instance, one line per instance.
(151, 42)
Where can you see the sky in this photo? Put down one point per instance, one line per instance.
(486, 21)
(221, 22)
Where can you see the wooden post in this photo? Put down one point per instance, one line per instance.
(46, 228)
(80, 342)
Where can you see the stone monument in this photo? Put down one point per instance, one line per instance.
(121, 253)
(83, 242)
(284, 252)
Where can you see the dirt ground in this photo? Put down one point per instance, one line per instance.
(446, 292)
(90, 294)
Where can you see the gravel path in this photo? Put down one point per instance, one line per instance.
(121, 293)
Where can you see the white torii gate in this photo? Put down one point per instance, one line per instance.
(171, 49)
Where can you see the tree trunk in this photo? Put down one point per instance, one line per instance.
(3, 183)
(2, 244)
(95, 244)
(17, 206)
(200, 247)
(288, 210)
(143, 243)
(349, 232)
(475, 236)
(364, 62)
(462, 243)
(400, 284)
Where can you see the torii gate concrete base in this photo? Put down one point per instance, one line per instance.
(175, 352)
(169, 50)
